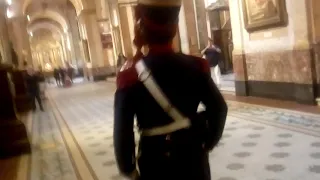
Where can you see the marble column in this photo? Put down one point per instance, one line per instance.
(314, 24)
(5, 48)
(13, 134)
(35, 58)
(112, 8)
(65, 48)
(117, 24)
(85, 57)
(62, 56)
(39, 58)
(89, 19)
(188, 28)
(72, 52)
(201, 23)
(74, 32)
(21, 43)
(126, 28)
(238, 54)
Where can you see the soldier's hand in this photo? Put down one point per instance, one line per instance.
(133, 176)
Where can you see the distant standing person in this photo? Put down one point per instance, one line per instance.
(56, 75)
(42, 83)
(212, 55)
(70, 72)
(32, 81)
(121, 60)
(62, 75)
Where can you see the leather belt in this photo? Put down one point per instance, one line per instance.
(167, 129)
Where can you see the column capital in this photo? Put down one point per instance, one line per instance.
(87, 12)
(18, 18)
(103, 20)
(131, 3)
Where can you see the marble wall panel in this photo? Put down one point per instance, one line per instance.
(239, 67)
(292, 66)
(301, 64)
(268, 66)
(316, 49)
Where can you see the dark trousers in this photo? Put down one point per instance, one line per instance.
(34, 97)
(63, 79)
(58, 81)
(177, 156)
(71, 77)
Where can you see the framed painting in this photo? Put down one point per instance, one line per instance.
(262, 14)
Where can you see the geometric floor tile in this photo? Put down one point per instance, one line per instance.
(259, 143)
(49, 159)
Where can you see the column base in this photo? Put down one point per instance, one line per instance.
(318, 90)
(22, 100)
(13, 138)
(304, 94)
(23, 103)
(101, 73)
(301, 93)
(241, 88)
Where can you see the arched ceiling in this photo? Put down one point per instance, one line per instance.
(46, 25)
(49, 14)
(44, 20)
(79, 5)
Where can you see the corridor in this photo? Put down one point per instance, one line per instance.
(73, 140)
(267, 52)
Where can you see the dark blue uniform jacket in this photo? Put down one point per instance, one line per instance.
(185, 79)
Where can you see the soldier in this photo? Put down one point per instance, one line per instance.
(174, 141)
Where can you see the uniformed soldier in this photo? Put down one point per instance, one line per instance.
(169, 148)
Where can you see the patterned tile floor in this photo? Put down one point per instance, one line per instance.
(259, 143)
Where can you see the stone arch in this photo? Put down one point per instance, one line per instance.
(50, 14)
(53, 27)
(45, 25)
(79, 5)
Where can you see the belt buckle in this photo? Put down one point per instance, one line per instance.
(168, 109)
(168, 137)
(144, 75)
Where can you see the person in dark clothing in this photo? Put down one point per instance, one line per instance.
(70, 72)
(212, 54)
(121, 60)
(56, 75)
(170, 147)
(42, 83)
(32, 81)
(62, 74)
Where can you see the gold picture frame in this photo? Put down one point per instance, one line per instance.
(263, 14)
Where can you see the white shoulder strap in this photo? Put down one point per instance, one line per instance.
(147, 79)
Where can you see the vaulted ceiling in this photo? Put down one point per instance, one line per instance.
(54, 22)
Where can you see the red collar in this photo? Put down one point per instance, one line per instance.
(159, 49)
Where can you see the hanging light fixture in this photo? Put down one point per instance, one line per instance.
(9, 13)
(115, 18)
(9, 2)
(68, 44)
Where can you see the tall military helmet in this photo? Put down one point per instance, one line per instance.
(157, 20)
